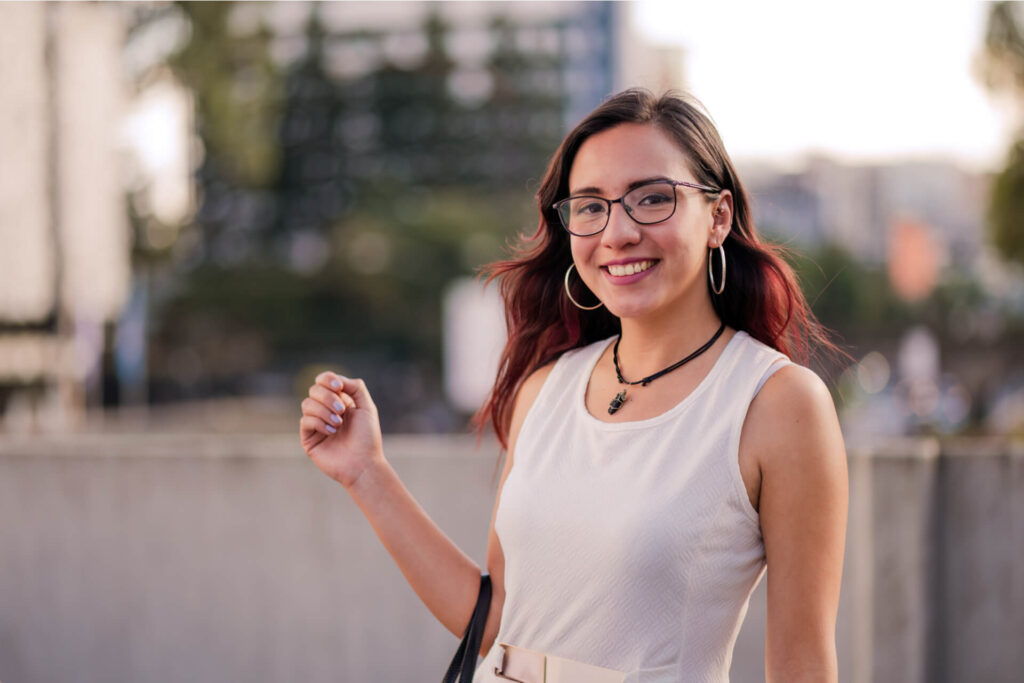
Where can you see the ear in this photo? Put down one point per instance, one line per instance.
(721, 214)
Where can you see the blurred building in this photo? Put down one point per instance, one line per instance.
(387, 106)
(639, 62)
(857, 206)
(387, 98)
(593, 48)
(513, 72)
(470, 93)
(913, 259)
(101, 161)
(64, 238)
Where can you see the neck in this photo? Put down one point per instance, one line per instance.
(648, 345)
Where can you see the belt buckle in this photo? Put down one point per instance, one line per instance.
(498, 670)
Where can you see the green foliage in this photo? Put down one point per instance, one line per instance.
(848, 295)
(339, 197)
(1002, 68)
(396, 255)
(380, 288)
(238, 93)
(1006, 207)
(267, 298)
(855, 300)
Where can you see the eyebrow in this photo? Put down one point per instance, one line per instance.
(632, 186)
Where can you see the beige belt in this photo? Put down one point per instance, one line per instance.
(529, 666)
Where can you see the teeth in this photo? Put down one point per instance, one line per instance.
(630, 268)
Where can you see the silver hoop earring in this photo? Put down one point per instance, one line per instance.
(569, 294)
(711, 278)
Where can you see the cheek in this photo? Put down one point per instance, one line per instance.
(678, 243)
(582, 251)
(582, 256)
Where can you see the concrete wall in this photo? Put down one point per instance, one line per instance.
(144, 558)
(935, 563)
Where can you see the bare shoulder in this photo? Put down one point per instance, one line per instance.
(531, 386)
(796, 389)
(525, 396)
(793, 416)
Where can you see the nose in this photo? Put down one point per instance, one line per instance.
(621, 230)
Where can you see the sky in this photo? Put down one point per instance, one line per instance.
(862, 81)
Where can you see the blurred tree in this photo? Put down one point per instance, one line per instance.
(1002, 69)
(1006, 206)
(343, 186)
(415, 137)
(526, 102)
(238, 91)
(1002, 66)
(847, 295)
(312, 187)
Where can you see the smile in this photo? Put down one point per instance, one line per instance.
(629, 268)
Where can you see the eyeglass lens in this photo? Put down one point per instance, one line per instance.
(651, 203)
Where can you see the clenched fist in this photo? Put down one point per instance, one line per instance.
(340, 428)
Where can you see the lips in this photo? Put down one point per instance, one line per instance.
(631, 268)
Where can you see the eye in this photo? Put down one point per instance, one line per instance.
(653, 198)
(588, 207)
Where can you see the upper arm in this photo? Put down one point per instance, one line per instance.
(793, 427)
(495, 555)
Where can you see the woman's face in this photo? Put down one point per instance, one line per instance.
(641, 271)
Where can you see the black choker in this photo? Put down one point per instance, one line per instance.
(620, 397)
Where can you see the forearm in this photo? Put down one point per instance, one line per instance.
(445, 578)
(821, 667)
(817, 675)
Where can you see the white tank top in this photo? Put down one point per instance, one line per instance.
(633, 545)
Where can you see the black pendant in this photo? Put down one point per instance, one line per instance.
(617, 402)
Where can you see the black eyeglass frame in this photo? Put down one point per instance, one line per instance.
(675, 203)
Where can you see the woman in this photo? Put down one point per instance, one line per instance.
(661, 446)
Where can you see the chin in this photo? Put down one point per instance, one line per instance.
(630, 309)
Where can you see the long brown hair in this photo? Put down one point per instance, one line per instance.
(761, 294)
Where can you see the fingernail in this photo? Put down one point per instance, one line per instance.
(335, 419)
(331, 429)
(335, 384)
(338, 406)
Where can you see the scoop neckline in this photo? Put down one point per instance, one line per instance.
(581, 390)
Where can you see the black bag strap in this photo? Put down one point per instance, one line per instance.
(464, 662)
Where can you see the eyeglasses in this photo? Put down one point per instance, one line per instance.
(652, 202)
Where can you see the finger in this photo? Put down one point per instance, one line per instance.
(356, 388)
(330, 380)
(331, 400)
(316, 409)
(309, 434)
(348, 401)
(310, 423)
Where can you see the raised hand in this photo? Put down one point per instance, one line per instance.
(340, 428)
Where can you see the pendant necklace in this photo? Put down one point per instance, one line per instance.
(620, 397)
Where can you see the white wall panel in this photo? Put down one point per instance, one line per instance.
(27, 254)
